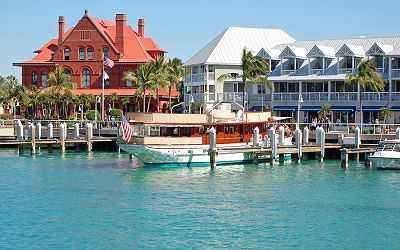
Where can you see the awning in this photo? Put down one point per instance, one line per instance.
(371, 108)
(395, 108)
(310, 108)
(343, 108)
(284, 108)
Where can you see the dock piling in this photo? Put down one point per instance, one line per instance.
(272, 138)
(306, 135)
(322, 142)
(281, 134)
(50, 132)
(344, 158)
(212, 151)
(298, 140)
(398, 133)
(357, 141)
(89, 136)
(39, 130)
(33, 139)
(63, 136)
(20, 131)
(76, 130)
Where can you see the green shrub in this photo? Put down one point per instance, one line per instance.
(92, 114)
(116, 113)
(6, 117)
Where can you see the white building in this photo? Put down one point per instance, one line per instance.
(314, 69)
(223, 55)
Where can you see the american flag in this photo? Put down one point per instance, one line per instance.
(108, 62)
(127, 130)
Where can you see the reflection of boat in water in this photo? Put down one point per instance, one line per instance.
(183, 140)
(387, 155)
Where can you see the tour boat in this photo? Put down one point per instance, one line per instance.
(387, 155)
(169, 140)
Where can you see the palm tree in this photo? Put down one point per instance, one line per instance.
(254, 69)
(366, 78)
(114, 97)
(125, 101)
(175, 74)
(143, 76)
(325, 111)
(385, 113)
(159, 81)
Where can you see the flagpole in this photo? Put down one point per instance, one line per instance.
(102, 91)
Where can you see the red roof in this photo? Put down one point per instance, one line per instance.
(120, 92)
(136, 48)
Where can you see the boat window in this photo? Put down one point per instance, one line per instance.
(154, 131)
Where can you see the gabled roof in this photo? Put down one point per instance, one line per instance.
(269, 53)
(226, 48)
(321, 51)
(136, 48)
(379, 49)
(293, 51)
(350, 50)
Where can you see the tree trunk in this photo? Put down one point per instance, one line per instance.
(243, 93)
(158, 102)
(148, 104)
(144, 98)
(169, 96)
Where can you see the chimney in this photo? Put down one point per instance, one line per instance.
(61, 24)
(141, 27)
(120, 22)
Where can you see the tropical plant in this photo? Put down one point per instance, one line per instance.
(254, 70)
(175, 74)
(116, 113)
(325, 111)
(385, 114)
(93, 115)
(367, 77)
(125, 101)
(143, 77)
(113, 98)
(159, 80)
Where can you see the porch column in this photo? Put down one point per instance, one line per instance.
(309, 66)
(352, 64)
(323, 65)
(301, 113)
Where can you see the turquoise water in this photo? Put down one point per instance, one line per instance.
(103, 201)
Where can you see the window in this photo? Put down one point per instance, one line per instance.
(379, 61)
(85, 78)
(82, 54)
(85, 35)
(211, 88)
(238, 87)
(34, 77)
(44, 78)
(106, 52)
(347, 62)
(90, 53)
(128, 83)
(67, 54)
(260, 89)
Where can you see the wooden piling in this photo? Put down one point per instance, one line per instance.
(344, 158)
(33, 139)
(212, 150)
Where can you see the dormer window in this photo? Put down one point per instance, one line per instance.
(90, 53)
(67, 54)
(82, 54)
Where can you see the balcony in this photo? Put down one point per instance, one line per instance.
(317, 71)
(345, 71)
(374, 96)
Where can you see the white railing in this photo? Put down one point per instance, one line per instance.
(196, 78)
(375, 96)
(344, 96)
(288, 71)
(231, 97)
(315, 96)
(395, 96)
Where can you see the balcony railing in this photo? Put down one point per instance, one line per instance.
(344, 96)
(231, 97)
(374, 96)
(345, 70)
(317, 71)
(211, 76)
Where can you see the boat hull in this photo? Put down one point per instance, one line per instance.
(189, 156)
(386, 160)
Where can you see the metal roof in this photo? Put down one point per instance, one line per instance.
(226, 48)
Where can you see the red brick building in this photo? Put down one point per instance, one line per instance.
(79, 50)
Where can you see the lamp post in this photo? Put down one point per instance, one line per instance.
(81, 110)
(300, 101)
(98, 100)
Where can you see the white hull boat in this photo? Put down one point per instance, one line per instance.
(387, 155)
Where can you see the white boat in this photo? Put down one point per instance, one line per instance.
(387, 155)
(173, 140)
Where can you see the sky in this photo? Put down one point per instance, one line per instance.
(183, 27)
